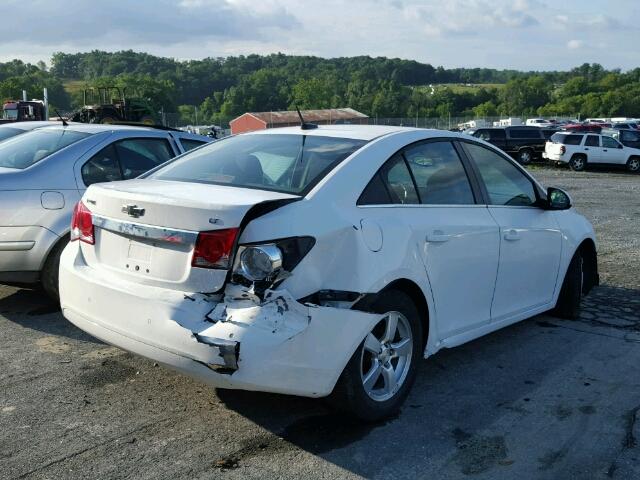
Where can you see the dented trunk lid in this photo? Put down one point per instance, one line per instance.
(147, 229)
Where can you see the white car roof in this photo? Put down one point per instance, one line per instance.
(356, 132)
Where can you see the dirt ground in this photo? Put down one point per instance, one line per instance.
(545, 398)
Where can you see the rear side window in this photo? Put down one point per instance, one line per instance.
(524, 133)
(439, 174)
(102, 167)
(126, 159)
(628, 136)
(505, 183)
(138, 155)
(592, 141)
(29, 148)
(190, 144)
(566, 139)
(399, 181)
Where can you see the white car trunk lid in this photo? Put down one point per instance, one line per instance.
(147, 229)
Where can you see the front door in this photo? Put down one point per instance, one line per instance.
(530, 239)
(612, 151)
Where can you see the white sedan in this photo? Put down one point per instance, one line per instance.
(322, 261)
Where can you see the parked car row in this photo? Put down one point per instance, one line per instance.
(598, 145)
(45, 169)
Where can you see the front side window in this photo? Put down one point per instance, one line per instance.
(25, 150)
(439, 174)
(505, 183)
(608, 142)
(288, 163)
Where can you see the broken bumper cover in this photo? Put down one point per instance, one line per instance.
(278, 345)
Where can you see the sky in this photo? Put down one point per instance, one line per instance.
(514, 34)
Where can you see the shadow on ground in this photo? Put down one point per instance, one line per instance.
(454, 410)
(35, 310)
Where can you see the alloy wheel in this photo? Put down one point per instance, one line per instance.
(386, 356)
(634, 165)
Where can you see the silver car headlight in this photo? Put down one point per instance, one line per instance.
(260, 262)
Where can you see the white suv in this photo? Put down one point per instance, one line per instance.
(580, 149)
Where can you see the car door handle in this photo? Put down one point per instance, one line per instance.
(511, 235)
(586, 149)
(605, 150)
(438, 236)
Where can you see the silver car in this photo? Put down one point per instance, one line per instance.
(13, 129)
(43, 174)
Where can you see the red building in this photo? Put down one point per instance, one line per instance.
(250, 121)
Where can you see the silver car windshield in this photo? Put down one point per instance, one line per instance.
(27, 149)
(286, 163)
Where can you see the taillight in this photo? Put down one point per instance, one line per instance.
(563, 150)
(214, 249)
(82, 224)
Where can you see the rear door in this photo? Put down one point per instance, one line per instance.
(427, 187)
(592, 148)
(530, 239)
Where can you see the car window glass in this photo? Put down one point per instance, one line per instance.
(439, 174)
(190, 144)
(137, 155)
(375, 193)
(506, 184)
(8, 132)
(483, 135)
(102, 167)
(24, 150)
(608, 142)
(289, 163)
(592, 141)
(524, 133)
(628, 136)
(497, 134)
(399, 182)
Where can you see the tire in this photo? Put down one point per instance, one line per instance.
(525, 156)
(377, 401)
(108, 120)
(578, 163)
(568, 305)
(50, 271)
(633, 165)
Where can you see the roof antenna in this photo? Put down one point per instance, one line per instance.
(304, 125)
(64, 122)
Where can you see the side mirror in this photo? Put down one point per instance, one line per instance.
(558, 199)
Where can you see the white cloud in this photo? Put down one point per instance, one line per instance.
(482, 33)
(574, 44)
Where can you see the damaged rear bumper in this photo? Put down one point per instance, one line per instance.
(276, 345)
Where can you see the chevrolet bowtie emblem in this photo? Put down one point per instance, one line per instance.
(133, 210)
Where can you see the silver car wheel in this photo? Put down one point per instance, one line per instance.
(634, 165)
(386, 356)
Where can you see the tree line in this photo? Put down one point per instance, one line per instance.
(222, 88)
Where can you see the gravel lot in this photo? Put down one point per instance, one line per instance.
(542, 399)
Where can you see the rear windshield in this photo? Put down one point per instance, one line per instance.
(284, 163)
(8, 132)
(566, 139)
(25, 150)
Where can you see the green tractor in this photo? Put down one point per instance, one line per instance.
(110, 105)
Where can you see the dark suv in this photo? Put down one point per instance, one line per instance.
(628, 137)
(524, 143)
